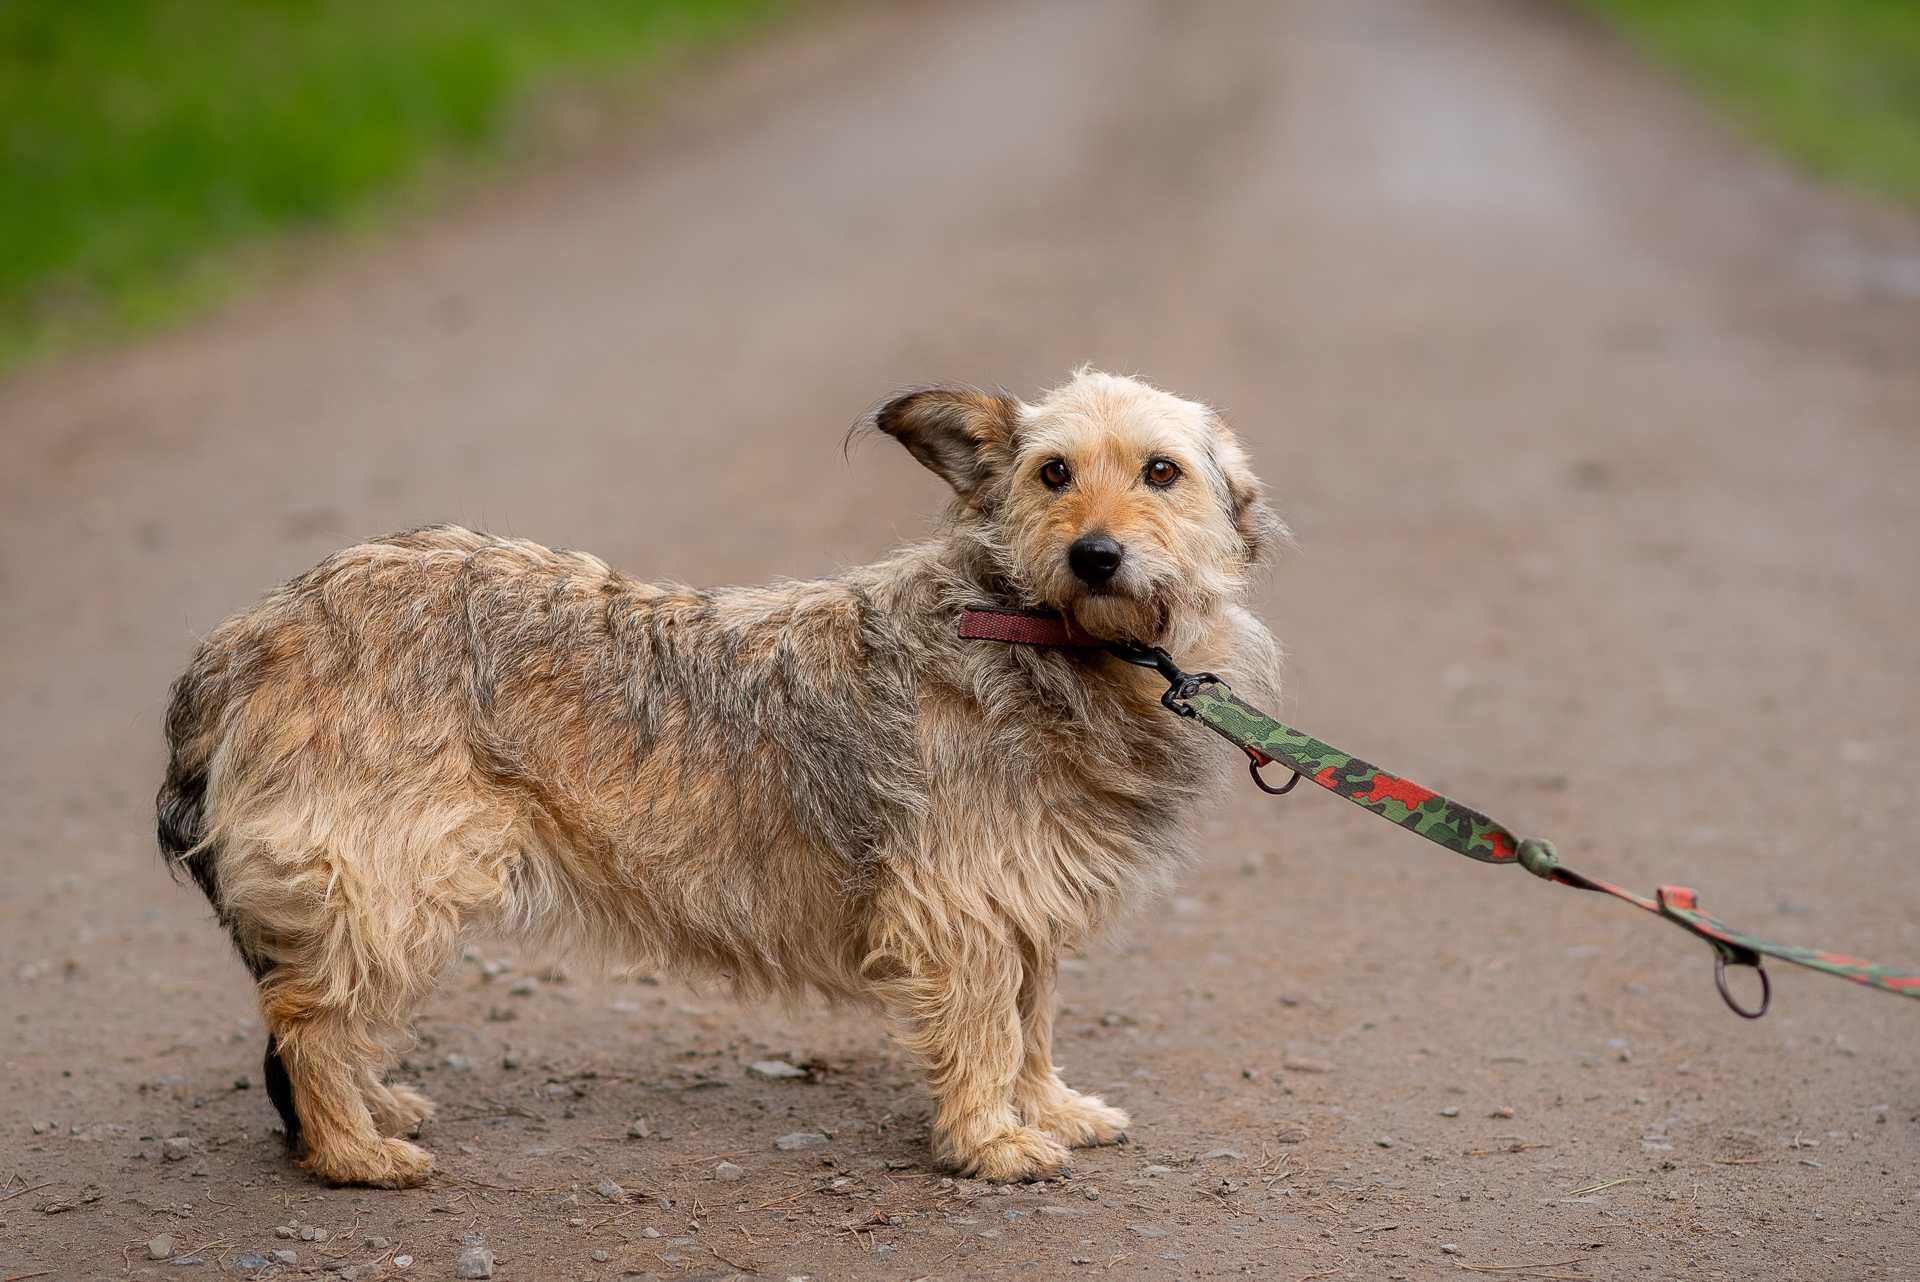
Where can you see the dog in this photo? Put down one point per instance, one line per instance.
(813, 787)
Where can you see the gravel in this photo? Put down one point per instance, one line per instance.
(473, 1262)
(728, 1173)
(610, 1191)
(284, 1256)
(774, 1070)
(797, 1140)
(175, 1148)
(161, 1247)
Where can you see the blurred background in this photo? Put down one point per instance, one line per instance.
(1577, 341)
(158, 151)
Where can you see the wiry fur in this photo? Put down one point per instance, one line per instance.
(811, 787)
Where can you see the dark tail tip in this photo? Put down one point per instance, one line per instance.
(280, 1090)
(180, 819)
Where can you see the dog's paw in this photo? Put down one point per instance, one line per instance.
(1078, 1121)
(401, 1111)
(390, 1164)
(1015, 1154)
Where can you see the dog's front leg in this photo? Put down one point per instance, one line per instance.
(958, 1010)
(1042, 1098)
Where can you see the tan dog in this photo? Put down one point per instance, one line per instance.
(811, 787)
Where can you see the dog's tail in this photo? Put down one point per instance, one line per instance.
(180, 820)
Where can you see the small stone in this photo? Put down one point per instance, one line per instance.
(175, 1148)
(1451, 1110)
(649, 1231)
(1146, 1230)
(1501, 1113)
(161, 1247)
(286, 1231)
(796, 1140)
(1450, 1248)
(610, 1191)
(1302, 1064)
(638, 1129)
(1224, 1155)
(473, 1262)
(459, 1063)
(251, 1263)
(1156, 1171)
(510, 1062)
(728, 1173)
(403, 1261)
(375, 1243)
(243, 1083)
(187, 1261)
(600, 1255)
(523, 988)
(1290, 1135)
(351, 1273)
(1384, 1141)
(311, 1234)
(774, 1070)
(284, 1256)
(1062, 1212)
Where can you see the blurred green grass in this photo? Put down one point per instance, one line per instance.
(153, 151)
(1833, 83)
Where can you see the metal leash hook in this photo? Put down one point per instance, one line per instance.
(1181, 684)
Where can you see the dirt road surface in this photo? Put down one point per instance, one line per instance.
(1599, 433)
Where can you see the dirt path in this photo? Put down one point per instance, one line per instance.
(1599, 436)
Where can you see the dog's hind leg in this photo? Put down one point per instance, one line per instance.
(347, 950)
(957, 1010)
(326, 1053)
(1045, 1101)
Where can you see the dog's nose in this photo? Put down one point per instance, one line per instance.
(1094, 558)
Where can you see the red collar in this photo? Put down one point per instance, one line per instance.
(1025, 627)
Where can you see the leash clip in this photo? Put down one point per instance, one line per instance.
(1181, 684)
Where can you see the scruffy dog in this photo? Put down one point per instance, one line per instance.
(810, 787)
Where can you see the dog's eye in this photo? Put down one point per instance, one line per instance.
(1162, 472)
(1054, 474)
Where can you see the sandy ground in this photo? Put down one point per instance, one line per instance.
(1599, 434)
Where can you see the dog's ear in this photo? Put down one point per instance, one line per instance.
(1259, 525)
(959, 433)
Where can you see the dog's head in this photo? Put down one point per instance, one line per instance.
(1131, 510)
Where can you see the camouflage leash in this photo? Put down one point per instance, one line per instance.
(1205, 698)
